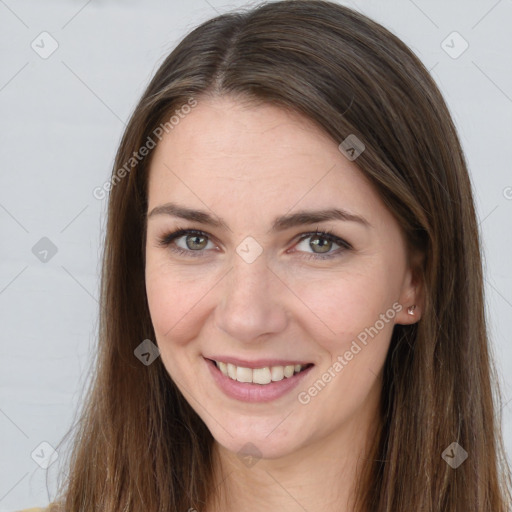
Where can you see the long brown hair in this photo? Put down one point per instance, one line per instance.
(138, 444)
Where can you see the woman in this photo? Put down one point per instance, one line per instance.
(292, 299)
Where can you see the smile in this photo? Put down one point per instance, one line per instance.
(262, 376)
(263, 382)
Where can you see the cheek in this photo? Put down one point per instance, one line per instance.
(357, 321)
(344, 305)
(351, 320)
(173, 304)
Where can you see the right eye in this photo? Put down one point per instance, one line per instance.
(192, 237)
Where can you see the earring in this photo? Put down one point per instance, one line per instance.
(410, 309)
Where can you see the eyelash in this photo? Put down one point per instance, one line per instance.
(168, 238)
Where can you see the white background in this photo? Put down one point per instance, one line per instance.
(61, 121)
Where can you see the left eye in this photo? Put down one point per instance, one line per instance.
(196, 241)
(324, 242)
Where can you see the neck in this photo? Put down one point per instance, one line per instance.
(318, 476)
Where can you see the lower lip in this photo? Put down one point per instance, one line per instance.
(249, 392)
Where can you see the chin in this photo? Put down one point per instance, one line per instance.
(257, 442)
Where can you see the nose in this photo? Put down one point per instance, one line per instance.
(252, 301)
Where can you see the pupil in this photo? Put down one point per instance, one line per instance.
(321, 243)
(195, 237)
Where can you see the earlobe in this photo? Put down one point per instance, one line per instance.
(410, 314)
(411, 298)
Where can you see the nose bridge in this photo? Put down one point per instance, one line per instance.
(249, 305)
(250, 280)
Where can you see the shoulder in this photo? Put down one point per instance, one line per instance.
(36, 509)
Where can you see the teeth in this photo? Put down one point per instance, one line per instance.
(288, 370)
(277, 373)
(243, 374)
(261, 376)
(231, 371)
(258, 375)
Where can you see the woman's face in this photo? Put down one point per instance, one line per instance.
(255, 289)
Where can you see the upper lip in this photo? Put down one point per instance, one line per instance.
(258, 363)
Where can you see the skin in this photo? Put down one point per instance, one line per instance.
(247, 165)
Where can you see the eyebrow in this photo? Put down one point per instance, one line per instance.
(281, 223)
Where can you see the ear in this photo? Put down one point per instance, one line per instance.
(412, 293)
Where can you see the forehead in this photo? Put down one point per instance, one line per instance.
(251, 159)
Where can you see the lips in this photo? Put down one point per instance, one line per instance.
(256, 383)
